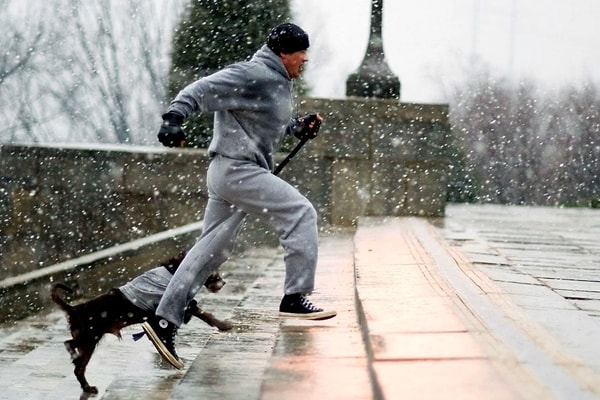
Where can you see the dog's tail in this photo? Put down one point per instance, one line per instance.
(55, 296)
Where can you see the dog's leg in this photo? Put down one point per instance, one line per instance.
(81, 362)
(213, 321)
(210, 319)
(70, 346)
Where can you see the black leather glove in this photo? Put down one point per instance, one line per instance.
(170, 133)
(306, 127)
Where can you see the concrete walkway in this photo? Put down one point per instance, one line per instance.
(532, 275)
(424, 343)
(426, 310)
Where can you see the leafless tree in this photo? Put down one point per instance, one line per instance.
(22, 48)
(94, 72)
(529, 147)
(117, 63)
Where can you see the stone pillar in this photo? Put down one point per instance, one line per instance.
(374, 77)
(376, 157)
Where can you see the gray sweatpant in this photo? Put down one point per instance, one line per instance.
(237, 188)
(146, 290)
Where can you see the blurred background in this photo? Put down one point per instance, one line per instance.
(519, 76)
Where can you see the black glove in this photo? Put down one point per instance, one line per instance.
(306, 127)
(170, 133)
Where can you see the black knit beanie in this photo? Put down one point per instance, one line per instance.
(287, 38)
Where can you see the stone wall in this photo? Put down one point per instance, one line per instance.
(59, 202)
(372, 157)
(384, 157)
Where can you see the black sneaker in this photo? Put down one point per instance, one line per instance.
(162, 335)
(298, 306)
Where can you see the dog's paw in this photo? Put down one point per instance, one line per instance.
(224, 325)
(90, 389)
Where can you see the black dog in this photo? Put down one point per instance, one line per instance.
(112, 311)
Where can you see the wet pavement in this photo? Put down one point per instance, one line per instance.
(539, 270)
(491, 302)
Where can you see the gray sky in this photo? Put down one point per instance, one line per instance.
(430, 44)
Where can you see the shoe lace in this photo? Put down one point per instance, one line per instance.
(308, 305)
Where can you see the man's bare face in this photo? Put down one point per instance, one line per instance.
(293, 62)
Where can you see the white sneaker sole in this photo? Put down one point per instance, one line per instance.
(316, 316)
(160, 346)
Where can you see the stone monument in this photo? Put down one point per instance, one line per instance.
(374, 77)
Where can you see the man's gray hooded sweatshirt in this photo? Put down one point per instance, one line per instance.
(252, 102)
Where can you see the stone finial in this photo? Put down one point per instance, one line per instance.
(374, 77)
